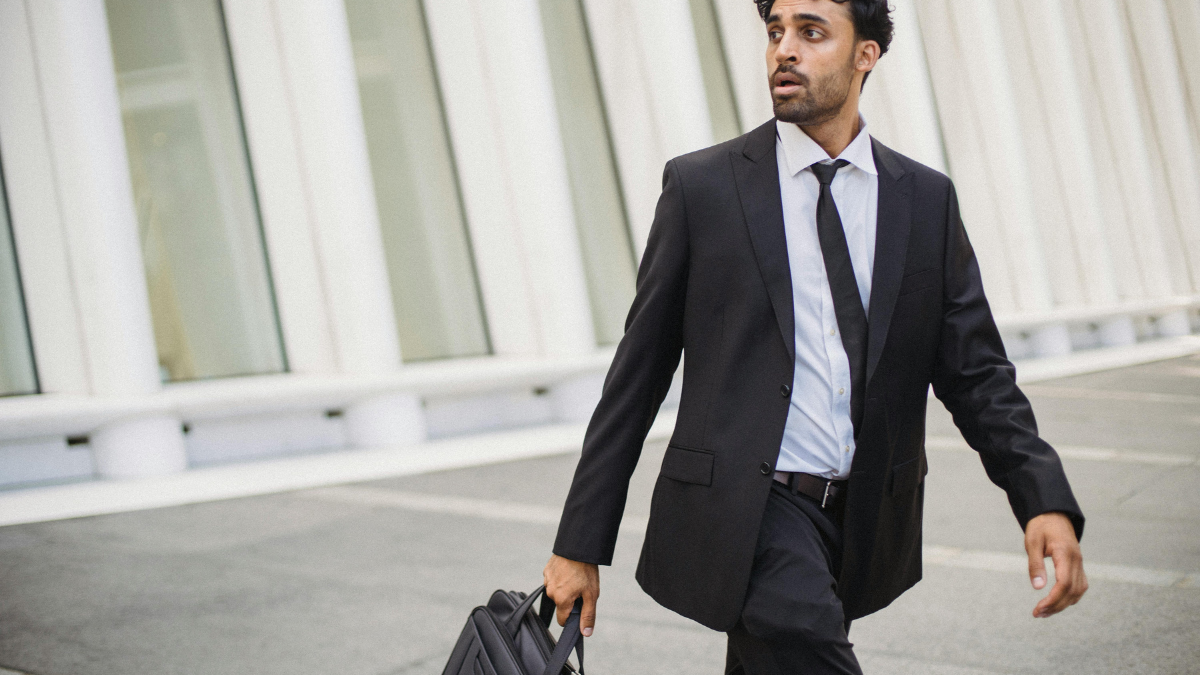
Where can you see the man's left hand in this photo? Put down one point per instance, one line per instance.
(1051, 535)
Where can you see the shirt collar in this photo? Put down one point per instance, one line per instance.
(802, 152)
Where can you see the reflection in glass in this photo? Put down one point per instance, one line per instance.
(718, 86)
(434, 289)
(206, 269)
(591, 168)
(17, 373)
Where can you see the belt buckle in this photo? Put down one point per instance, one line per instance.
(825, 497)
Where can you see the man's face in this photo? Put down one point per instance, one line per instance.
(811, 57)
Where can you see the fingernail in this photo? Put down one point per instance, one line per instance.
(587, 632)
(1039, 582)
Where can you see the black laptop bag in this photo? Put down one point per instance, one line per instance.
(507, 637)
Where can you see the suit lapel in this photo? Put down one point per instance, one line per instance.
(891, 247)
(756, 171)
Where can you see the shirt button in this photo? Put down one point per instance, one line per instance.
(832, 331)
(847, 448)
(765, 469)
(841, 391)
(785, 391)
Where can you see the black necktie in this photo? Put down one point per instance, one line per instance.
(847, 303)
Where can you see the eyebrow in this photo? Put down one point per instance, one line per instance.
(815, 18)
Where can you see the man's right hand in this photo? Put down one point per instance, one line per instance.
(567, 580)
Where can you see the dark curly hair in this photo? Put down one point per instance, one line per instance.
(872, 20)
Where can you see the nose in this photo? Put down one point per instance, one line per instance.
(788, 50)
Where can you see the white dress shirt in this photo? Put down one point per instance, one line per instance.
(819, 435)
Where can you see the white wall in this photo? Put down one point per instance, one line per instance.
(1070, 128)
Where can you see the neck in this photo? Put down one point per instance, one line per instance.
(834, 134)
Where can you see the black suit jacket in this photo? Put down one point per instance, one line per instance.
(715, 283)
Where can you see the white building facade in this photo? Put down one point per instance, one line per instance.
(238, 229)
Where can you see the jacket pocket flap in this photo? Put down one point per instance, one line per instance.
(906, 476)
(919, 281)
(687, 465)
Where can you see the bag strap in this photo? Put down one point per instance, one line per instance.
(514, 622)
(548, 609)
(570, 638)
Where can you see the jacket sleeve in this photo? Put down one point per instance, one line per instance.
(977, 384)
(637, 381)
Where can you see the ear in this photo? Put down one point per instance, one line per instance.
(867, 54)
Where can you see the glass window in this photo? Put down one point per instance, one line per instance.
(206, 267)
(17, 373)
(718, 86)
(434, 286)
(599, 207)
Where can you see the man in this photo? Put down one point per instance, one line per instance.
(817, 301)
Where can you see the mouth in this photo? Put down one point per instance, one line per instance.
(785, 84)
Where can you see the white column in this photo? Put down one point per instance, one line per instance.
(1120, 144)
(1063, 124)
(54, 322)
(318, 59)
(487, 196)
(680, 104)
(1071, 193)
(637, 138)
(745, 37)
(654, 89)
(962, 134)
(1185, 19)
(898, 101)
(1049, 200)
(990, 86)
(500, 106)
(318, 62)
(83, 117)
(284, 201)
(514, 42)
(1163, 89)
(987, 153)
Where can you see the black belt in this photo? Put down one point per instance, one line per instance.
(823, 490)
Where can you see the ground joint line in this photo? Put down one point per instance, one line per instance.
(535, 514)
(1081, 452)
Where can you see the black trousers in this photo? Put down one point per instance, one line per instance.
(792, 622)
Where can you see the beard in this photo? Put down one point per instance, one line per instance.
(816, 102)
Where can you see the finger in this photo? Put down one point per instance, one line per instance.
(1052, 603)
(564, 610)
(587, 618)
(1037, 564)
(1063, 592)
(1072, 571)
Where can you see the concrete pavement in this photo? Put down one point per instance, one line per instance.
(377, 578)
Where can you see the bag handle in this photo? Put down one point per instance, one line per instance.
(548, 609)
(570, 637)
(514, 621)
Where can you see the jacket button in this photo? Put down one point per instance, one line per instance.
(785, 391)
(765, 469)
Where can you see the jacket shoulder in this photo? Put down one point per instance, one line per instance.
(706, 161)
(924, 175)
(713, 159)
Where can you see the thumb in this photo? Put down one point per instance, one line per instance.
(587, 618)
(1037, 563)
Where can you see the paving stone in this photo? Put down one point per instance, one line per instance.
(292, 582)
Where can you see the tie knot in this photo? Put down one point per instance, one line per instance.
(826, 172)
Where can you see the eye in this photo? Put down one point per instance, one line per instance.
(811, 33)
(774, 35)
